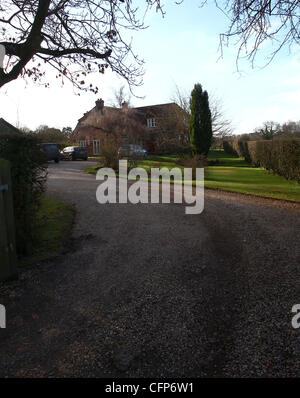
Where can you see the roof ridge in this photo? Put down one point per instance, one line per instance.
(9, 125)
(150, 106)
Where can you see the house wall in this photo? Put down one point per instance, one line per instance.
(129, 125)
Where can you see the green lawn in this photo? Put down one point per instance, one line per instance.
(233, 174)
(55, 219)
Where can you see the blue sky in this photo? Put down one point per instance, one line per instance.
(180, 49)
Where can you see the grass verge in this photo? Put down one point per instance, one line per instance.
(232, 174)
(54, 225)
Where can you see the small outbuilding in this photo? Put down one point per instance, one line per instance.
(7, 128)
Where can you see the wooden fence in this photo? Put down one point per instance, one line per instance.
(8, 256)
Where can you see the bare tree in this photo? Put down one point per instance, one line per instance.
(75, 37)
(120, 126)
(290, 129)
(268, 130)
(255, 22)
(172, 134)
(181, 98)
(120, 97)
(221, 126)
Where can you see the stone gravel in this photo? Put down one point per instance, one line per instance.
(147, 291)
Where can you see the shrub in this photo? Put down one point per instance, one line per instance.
(228, 147)
(282, 157)
(109, 152)
(28, 183)
(172, 147)
(237, 147)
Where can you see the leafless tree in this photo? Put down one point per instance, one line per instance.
(172, 134)
(268, 130)
(290, 129)
(255, 22)
(75, 37)
(123, 126)
(221, 126)
(181, 98)
(120, 97)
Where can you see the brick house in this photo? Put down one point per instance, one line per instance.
(150, 126)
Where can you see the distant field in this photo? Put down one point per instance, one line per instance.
(235, 175)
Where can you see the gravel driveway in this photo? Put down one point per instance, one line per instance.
(147, 291)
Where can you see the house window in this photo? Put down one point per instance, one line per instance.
(151, 122)
(82, 143)
(96, 147)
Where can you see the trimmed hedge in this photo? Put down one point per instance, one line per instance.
(282, 156)
(28, 183)
(228, 147)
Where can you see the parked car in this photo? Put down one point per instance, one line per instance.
(51, 151)
(132, 150)
(73, 153)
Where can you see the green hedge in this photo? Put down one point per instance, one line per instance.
(28, 183)
(280, 156)
(228, 147)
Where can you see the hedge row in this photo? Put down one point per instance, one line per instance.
(28, 183)
(279, 156)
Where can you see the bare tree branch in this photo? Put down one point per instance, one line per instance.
(75, 37)
(256, 22)
(220, 125)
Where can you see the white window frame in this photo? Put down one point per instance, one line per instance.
(96, 147)
(151, 122)
(82, 143)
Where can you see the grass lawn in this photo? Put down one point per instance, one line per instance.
(233, 174)
(55, 219)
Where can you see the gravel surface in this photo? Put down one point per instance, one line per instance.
(147, 291)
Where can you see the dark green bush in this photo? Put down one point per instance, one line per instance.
(237, 147)
(228, 147)
(28, 183)
(280, 156)
(241, 147)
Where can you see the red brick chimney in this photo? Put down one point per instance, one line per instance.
(100, 105)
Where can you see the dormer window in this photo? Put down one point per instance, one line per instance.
(151, 122)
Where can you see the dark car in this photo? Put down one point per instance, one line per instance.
(74, 152)
(51, 151)
(132, 150)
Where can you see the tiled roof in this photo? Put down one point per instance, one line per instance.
(155, 106)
